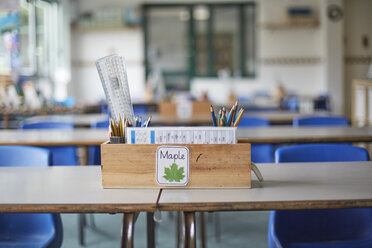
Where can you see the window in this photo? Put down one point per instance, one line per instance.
(183, 41)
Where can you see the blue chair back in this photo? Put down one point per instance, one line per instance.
(321, 228)
(140, 109)
(94, 152)
(62, 155)
(320, 121)
(321, 153)
(261, 153)
(28, 230)
(251, 121)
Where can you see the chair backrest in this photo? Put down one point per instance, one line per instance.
(320, 121)
(46, 125)
(311, 226)
(94, 152)
(62, 155)
(261, 153)
(321, 153)
(101, 124)
(24, 156)
(32, 229)
(252, 121)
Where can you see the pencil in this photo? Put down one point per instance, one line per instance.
(136, 122)
(140, 121)
(224, 116)
(148, 121)
(213, 116)
(229, 118)
(219, 118)
(235, 110)
(221, 121)
(239, 117)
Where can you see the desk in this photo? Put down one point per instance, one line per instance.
(274, 117)
(289, 134)
(158, 120)
(66, 189)
(283, 134)
(79, 120)
(283, 117)
(287, 186)
(53, 137)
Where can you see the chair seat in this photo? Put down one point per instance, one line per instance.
(22, 241)
(26, 230)
(361, 243)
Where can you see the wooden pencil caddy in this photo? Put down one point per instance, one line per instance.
(210, 165)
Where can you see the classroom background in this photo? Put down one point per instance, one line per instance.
(279, 59)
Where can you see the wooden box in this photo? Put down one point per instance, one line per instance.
(210, 166)
(168, 108)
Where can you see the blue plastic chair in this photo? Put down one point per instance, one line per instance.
(62, 155)
(346, 228)
(261, 153)
(321, 121)
(94, 152)
(28, 230)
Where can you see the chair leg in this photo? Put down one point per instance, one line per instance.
(202, 230)
(217, 226)
(178, 229)
(92, 221)
(81, 225)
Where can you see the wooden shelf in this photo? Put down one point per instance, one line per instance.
(290, 25)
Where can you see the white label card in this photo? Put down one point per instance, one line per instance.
(172, 165)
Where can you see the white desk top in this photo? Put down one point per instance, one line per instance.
(53, 137)
(283, 116)
(77, 119)
(286, 186)
(289, 134)
(67, 189)
(50, 137)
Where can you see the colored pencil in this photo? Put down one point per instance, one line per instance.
(140, 122)
(235, 110)
(148, 121)
(213, 116)
(136, 121)
(239, 117)
(219, 118)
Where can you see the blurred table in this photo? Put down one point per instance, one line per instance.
(53, 137)
(79, 120)
(283, 117)
(289, 134)
(274, 117)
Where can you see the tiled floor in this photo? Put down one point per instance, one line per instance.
(238, 229)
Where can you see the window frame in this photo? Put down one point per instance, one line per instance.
(191, 71)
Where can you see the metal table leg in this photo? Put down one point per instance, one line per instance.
(178, 229)
(189, 230)
(150, 230)
(202, 230)
(127, 230)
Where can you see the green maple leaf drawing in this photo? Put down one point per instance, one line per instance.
(173, 173)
